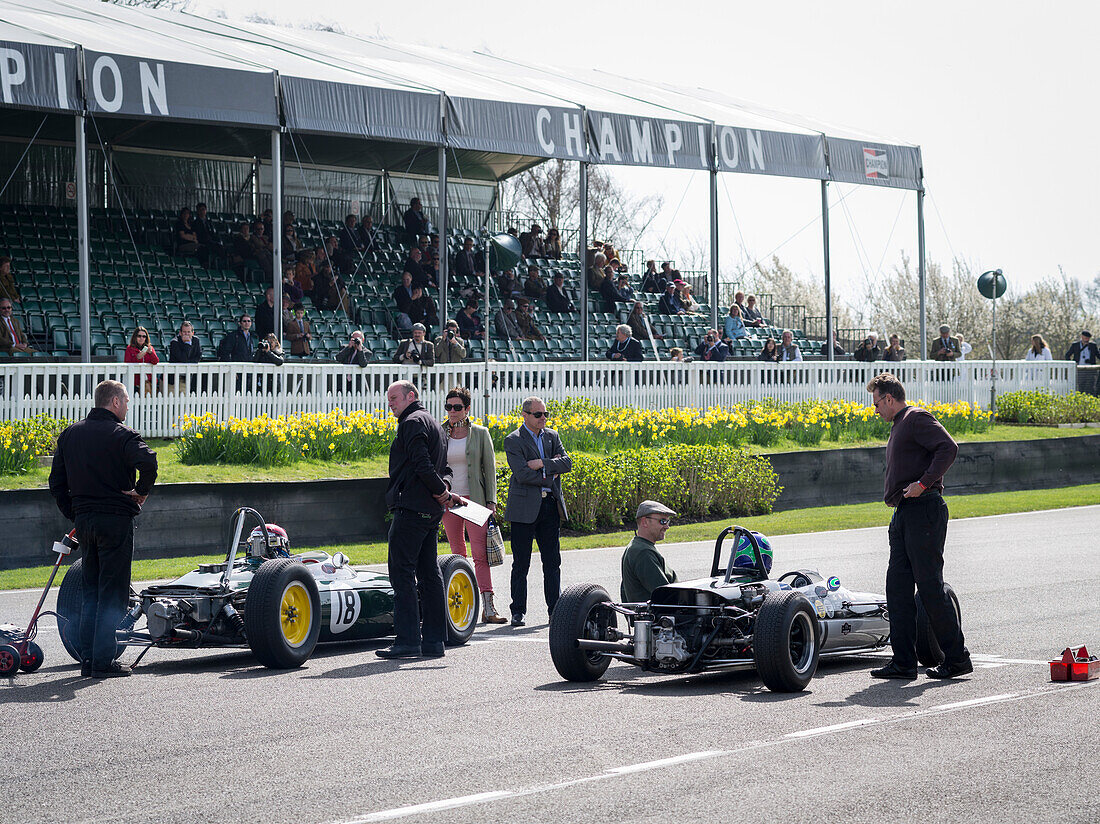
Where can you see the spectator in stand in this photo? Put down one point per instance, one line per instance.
(450, 347)
(739, 302)
(556, 299)
(945, 347)
(184, 240)
(413, 267)
(552, 245)
(868, 351)
(964, 347)
(1038, 349)
(184, 347)
(467, 261)
(894, 352)
(288, 313)
(416, 223)
(666, 271)
(262, 249)
(267, 219)
(789, 351)
(417, 350)
(329, 291)
(513, 231)
(624, 347)
(626, 291)
(676, 355)
(652, 280)
(269, 351)
(508, 285)
(687, 300)
(265, 314)
(402, 298)
(505, 322)
(7, 280)
(431, 267)
(305, 271)
(141, 350)
(838, 350)
(12, 337)
(349, 245)
(751, 314)
(609, 292)
(299, 333)
(291, 244)
(596, 273)
(368, 239)
(770, 352)
(209, 247)
(531, 242)
(670, 301)
(525, 318)
(1084, 352)
(534, 287)
(469, 321)
(238, 345)
(422, 309)
(609, 252)
(735, 326)
(356, 352)
(242, 252)
(638, 321)
(711, 348)
(291, 289)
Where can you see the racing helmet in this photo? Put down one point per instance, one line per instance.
(278, 546)
(745, 559)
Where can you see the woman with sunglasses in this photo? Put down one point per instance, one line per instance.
(474, 475)
(141, 350)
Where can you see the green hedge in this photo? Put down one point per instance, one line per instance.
(1041, 407)
(696, 481)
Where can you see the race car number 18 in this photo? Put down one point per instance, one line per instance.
(345, 608)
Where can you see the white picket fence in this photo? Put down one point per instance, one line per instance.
(161, 395)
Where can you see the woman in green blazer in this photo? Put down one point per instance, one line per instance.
(474, 475)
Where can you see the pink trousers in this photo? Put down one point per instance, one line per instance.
(457, 528)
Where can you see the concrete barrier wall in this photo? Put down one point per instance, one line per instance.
(192, 519)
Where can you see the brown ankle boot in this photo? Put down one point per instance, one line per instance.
(489, 613)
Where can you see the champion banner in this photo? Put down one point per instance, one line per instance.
(36, 76)
(875, 164)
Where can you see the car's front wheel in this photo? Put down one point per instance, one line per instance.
(282, 614)
(581, 612)
(785, 641)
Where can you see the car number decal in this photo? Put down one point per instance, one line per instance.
(345, 608)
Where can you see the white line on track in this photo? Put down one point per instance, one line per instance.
(616, 772)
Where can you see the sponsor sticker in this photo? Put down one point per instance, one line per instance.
(833, 583)
(819, 605)
(875, 164)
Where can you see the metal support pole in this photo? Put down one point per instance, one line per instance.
(83, 259)
(441, 228)
(920, 275)
(256, 187)
(582, 250)
(714, 248)
(993, 375)
(829, 331)
(485, 320)
(277, 228)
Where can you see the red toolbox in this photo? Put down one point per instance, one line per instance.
(1075, 665)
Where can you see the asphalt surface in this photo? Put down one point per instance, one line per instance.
(492, 734)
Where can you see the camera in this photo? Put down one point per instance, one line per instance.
(450, 334)
(710, 338)
(262, 346)
(414, 356)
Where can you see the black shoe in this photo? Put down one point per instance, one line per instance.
(86, 669)
(112, 670)
(517, 620)
(433, 650)
(946, 670)
(399, 651)
(892, 670)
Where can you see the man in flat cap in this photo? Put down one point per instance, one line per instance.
(644, 568)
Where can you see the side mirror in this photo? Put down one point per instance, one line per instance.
(340, 560)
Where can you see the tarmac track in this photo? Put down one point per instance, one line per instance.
(491, 733)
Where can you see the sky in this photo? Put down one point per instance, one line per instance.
(1000, 97)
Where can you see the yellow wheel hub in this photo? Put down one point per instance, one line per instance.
(296, 614)
(460, 599)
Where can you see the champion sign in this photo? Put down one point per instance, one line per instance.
(875, 164)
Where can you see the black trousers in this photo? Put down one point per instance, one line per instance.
(107, 549)
(918, 530)
(412, 561)
(544, 530)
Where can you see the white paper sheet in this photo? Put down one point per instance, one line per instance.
(473, 512)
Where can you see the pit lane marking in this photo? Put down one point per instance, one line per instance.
(616, 772)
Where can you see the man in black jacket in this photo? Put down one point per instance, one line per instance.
(624, 347)
(418, 490)
(355, 353)
(185, 347)
(711, 348)
(416, 223)
(238, 345)
(556, 299)
(466, 261)
(96, 485)
(1084, 352)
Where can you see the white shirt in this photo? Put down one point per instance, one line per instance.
(1044, 355)
(964, 350)
(460, 471)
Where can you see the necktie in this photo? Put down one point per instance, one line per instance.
(14, 334)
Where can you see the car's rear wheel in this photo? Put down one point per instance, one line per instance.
(463, 598)
(785, 641)
(70, 601)
(580, 612)
(929, 652)
(282, 614)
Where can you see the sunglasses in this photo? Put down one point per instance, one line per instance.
(454, 407)
(662, 521)
(538, 414)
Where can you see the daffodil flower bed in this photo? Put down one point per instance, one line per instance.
(22, 442)
(1038, 407)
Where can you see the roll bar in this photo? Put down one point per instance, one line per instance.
(760, 572)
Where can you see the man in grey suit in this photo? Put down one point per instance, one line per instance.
(535, 505)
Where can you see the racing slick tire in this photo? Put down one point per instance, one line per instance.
(282, 614)
(33, 657)
(70, 600)
(929, 652)
(9, 660)
(463, 599)
(578, 614)
(785, 641)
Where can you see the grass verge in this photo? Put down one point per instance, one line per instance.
(814, 519)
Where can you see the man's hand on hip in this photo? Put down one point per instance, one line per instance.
(133, 495)
(914, 490)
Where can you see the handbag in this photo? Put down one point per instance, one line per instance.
(494, 543)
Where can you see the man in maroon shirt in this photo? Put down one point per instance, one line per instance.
(918, 454)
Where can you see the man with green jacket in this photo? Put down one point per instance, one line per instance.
(643, 567)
